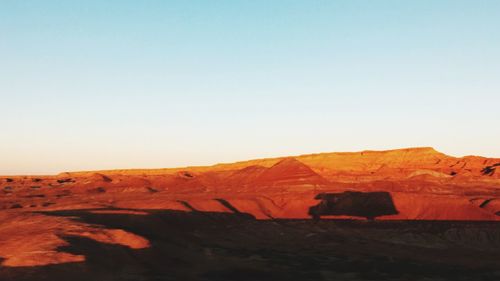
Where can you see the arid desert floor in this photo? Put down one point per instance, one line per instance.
(406, 214)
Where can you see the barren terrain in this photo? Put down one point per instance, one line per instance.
(406, 214)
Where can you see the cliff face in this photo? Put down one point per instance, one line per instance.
(420, 183)
(397, 164)
(355, 166)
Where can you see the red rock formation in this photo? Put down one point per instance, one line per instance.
(424, 185)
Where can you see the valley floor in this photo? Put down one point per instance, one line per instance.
(230, 246)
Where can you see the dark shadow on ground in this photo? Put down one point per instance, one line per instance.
(228, 205)
(187, 205)
(235, 246)
(354, 203)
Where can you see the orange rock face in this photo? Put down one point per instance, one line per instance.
(422, 183)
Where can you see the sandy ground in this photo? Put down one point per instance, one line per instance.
(223, 246)
(437, 217)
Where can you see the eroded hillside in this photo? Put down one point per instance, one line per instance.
(420, 183)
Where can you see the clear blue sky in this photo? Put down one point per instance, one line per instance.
(123, 84)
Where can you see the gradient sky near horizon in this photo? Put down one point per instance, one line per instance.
(88, 85)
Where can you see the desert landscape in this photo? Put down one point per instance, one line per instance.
(404, 214)
(249, 140)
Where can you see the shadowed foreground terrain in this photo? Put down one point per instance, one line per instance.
(223, 246)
